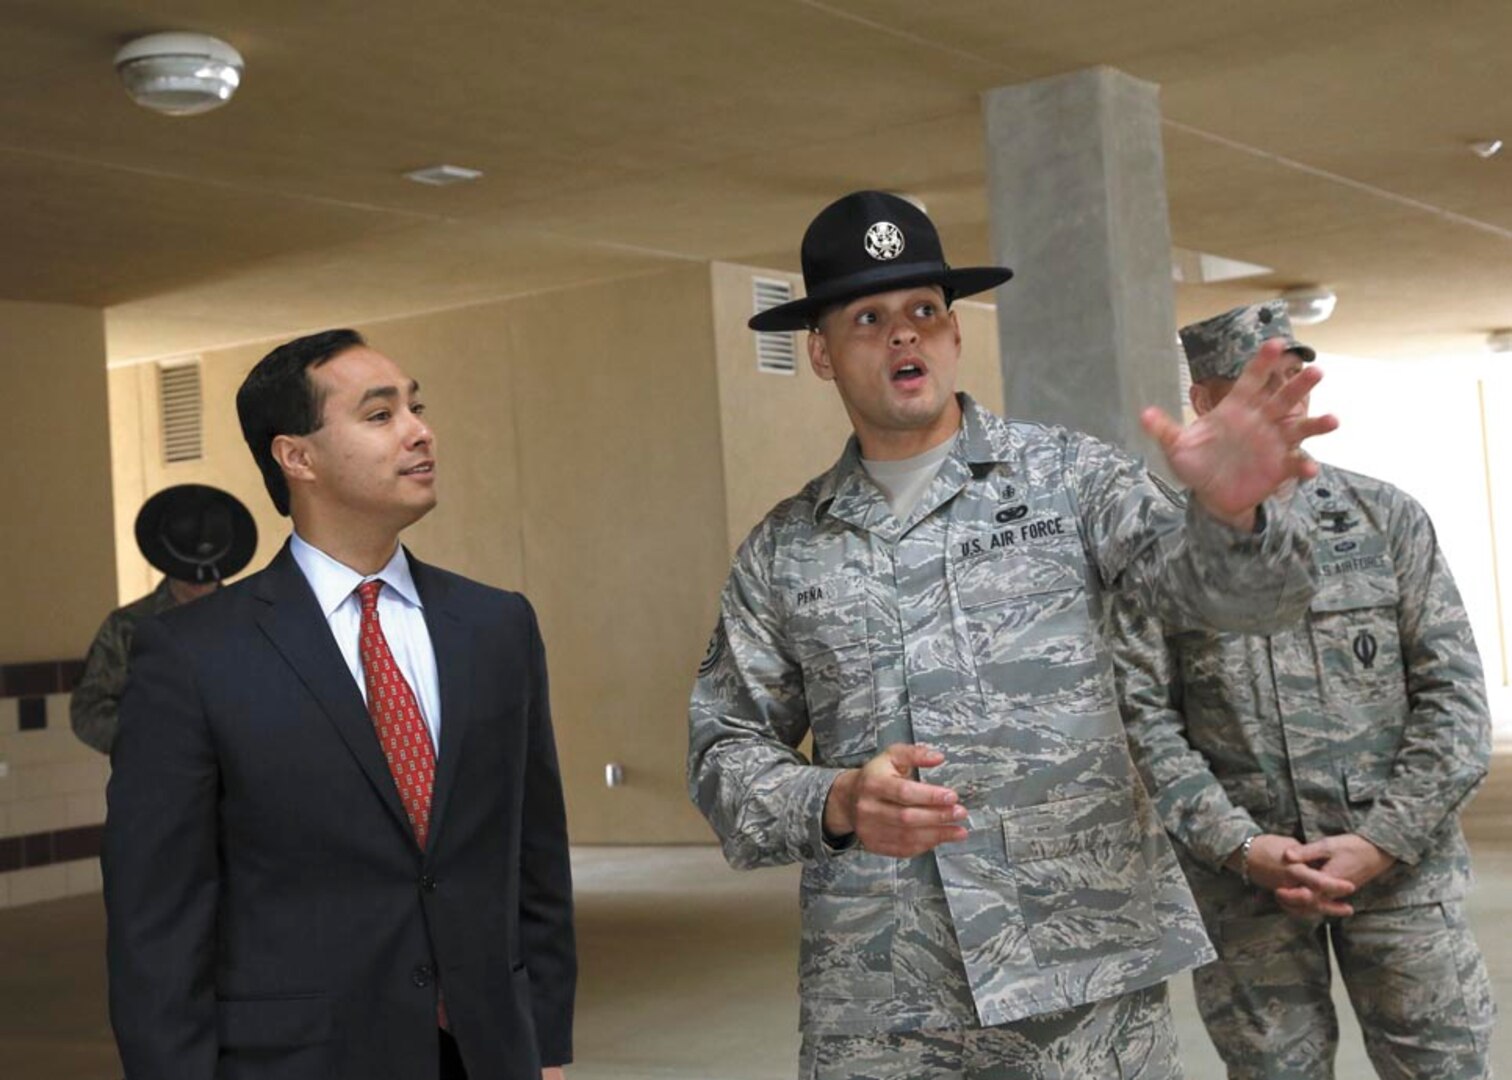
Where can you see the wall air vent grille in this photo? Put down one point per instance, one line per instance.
(1183, 375)
(181, 412)
(776, 354)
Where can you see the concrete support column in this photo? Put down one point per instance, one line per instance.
(1076, 186)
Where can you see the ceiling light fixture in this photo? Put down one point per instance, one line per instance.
(1309, 305)
(179, 74)
(1486, 148)
(442, 175)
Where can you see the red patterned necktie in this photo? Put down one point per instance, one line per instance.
(402, 732)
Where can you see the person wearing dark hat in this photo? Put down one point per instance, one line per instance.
(335, 846)
(1313, 778)
(197, 536)
(986, 892)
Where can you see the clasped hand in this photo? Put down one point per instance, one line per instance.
(1314, 879)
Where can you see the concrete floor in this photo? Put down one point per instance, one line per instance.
(687, 974)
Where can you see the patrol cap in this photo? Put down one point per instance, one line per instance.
(1218, 348)
(194, 532)
(871, 242)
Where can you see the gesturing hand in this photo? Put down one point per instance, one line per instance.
(1248, 445)
(891, 813)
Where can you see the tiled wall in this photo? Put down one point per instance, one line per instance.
(52, 789)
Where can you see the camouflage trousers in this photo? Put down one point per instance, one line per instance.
(1415, 977)
(1125, 1038)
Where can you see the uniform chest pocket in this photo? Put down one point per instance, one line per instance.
(1030, 629)
(827, 633)
(1353, 621)
(1084, 886)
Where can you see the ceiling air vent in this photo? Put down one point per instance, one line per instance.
(179, 396)
(776, 354)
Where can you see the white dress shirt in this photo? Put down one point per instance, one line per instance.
(400, 613)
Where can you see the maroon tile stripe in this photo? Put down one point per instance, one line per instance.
(46, 848)
(39, 678)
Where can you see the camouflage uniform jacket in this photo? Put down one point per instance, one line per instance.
(1367, 716)
(973, 626)
(92, 709)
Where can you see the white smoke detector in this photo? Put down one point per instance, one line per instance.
(179, 74)
(1310, 305)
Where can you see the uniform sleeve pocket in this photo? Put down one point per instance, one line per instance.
(1084, 888)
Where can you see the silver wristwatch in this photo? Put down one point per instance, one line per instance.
(1244, 853)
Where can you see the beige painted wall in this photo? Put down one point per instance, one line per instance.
(578, 449)
(782, 430)
(57, 567)
(57, 570)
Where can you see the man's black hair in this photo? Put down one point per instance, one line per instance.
(278, 397)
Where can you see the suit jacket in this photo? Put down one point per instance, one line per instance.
(270, 913)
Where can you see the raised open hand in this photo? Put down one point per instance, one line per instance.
(1248, 445)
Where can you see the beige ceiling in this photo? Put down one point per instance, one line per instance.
(1323, 138)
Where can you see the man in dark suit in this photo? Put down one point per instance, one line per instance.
(336, 847)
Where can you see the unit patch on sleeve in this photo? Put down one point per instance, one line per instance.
(716, 649)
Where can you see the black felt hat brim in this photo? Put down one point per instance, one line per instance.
(799, 314)
(222, 552)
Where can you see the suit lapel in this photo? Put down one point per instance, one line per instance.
(453, 648)
(295, 625)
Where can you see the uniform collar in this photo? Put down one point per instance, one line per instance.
(983, 441)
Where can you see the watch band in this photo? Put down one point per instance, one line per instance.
(1244, 854)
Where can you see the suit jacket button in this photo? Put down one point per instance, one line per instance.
(428, 883)
(421, 976)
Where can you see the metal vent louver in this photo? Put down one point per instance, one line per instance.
(1183, 373)
(776, 354)
(181, 412)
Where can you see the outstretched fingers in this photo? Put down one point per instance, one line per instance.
(1160, 427)
(1307, 426)
(1292, 391)
(1252, 388)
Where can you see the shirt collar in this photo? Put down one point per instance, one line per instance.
(334, 581)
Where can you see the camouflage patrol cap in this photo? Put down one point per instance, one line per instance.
(1218, 348)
